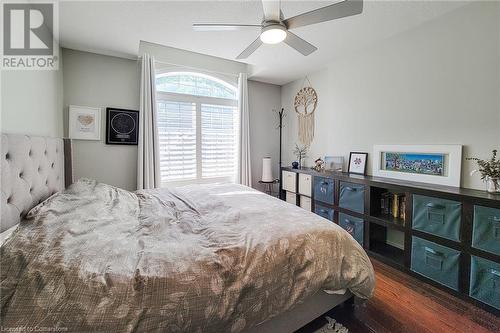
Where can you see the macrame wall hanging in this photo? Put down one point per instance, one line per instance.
(305, 104)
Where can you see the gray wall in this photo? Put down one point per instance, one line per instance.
(436, 84)
(102, 81)
(32, 102)
(264, 135)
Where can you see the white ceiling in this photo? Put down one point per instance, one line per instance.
(116, 27)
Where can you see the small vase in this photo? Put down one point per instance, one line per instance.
(492, 185)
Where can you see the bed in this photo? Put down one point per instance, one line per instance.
(211, 258)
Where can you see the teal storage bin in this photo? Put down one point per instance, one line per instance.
(352, 197)
(324, 189)
(324, 211)
(486, 229)
(485, 281)
(437, 216)
(354, 226)
(436, 262)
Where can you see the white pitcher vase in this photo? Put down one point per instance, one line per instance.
(492, 185)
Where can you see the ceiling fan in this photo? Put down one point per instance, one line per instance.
(275, 28)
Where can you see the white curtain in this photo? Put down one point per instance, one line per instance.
(244, 170)
(148, 170)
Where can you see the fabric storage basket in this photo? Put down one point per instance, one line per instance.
(485, 281)
(305, 184)
(486, 229)
(436, 262)
(324, 189)
(352, 197)
(289, 181)
(437, 216)
(305, 202)
(291, 198)
(324, 211)
(353, 225)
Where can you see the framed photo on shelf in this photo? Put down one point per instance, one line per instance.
(357, 163)
(84, 123)
(122, 126)
(434, 164)
(334, 163)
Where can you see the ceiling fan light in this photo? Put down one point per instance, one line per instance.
(273, 34)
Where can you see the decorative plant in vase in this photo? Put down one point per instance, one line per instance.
(489, 170)
(300, 153)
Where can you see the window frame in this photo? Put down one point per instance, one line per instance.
(198, 101)
(220, 80)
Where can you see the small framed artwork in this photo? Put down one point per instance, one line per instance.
(357, 163)
(84, 123)
(334, 163)
(122, 126)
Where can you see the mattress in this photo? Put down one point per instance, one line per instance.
(212, 258)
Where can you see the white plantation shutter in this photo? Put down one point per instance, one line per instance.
(177, 134)
(198, 133)
(219, 135)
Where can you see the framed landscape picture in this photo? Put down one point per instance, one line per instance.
(122, 126)
(416, 163)
(436, 164)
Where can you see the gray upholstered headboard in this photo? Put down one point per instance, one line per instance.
(33, 168)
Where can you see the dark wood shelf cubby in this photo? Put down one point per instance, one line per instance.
(380, 196)
(388, 221)
(378, 244)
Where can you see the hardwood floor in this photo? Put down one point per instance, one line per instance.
(404, 304)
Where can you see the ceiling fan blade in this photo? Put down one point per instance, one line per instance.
(328, 13)
(250, 49)
(299, 44)
(223, 27)
(271, 10)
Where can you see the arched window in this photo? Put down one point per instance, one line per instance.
(195, 84)
(198, 126)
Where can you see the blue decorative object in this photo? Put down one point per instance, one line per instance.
(295, 165)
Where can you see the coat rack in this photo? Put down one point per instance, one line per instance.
(280, 114)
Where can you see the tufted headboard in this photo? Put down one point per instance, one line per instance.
(33, 168)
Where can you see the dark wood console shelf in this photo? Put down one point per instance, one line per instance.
(432, 232)
(401, 185)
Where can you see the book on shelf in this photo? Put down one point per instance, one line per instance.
(402, 209)
(393, 204)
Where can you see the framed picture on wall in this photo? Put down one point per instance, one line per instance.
(357, 163)
(122, 126)
(84, 123)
